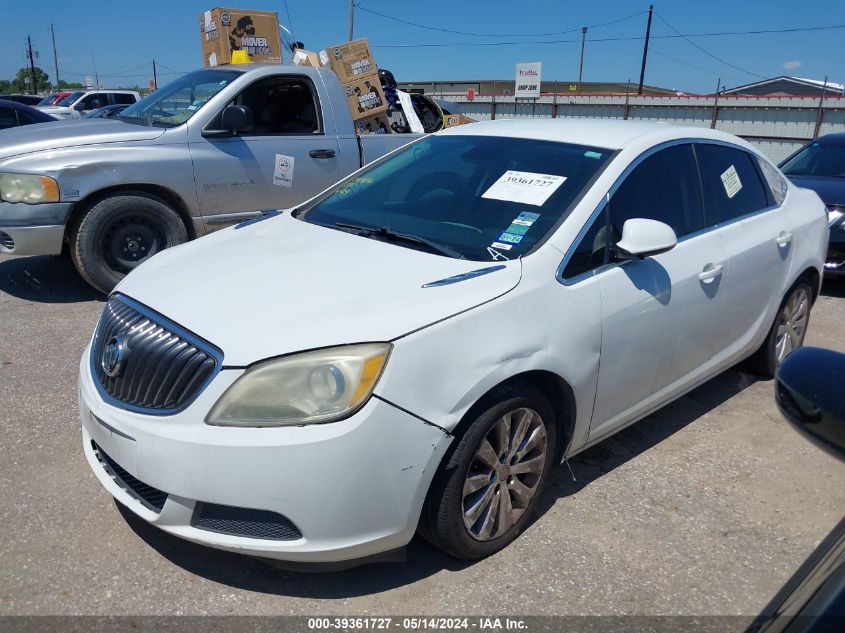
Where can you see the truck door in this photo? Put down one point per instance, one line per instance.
(285, 159)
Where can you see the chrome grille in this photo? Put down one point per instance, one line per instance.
(165, 367)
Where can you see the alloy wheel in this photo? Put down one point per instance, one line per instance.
(792, 323)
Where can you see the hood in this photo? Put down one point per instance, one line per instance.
(71, 133)
(830, 189)
(282, 285)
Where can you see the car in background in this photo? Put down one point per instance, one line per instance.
(30, 100)
(53, 99)
(106, 112)
(820, 166)
(13, 114)
(79, 103)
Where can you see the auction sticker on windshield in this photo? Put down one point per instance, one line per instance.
(524, 187)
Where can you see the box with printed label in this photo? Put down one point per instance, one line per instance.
(225, 30)
(373, 125)
(364, 96)
(451, 120)
(349, 60)
(301, 57)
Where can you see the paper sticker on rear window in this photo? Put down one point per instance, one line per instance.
(524, 187)
(730, 179)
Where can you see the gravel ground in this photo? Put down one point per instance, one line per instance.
(704, 508)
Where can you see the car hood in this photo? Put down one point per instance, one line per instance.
(71, 133)
(283, 285)
(831, 190)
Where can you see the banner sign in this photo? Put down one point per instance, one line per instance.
(527, 81)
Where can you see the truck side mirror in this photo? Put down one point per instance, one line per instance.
(237, 119)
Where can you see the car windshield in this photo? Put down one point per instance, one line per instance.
(817, 159)
(179, 100)
(479, 197)
(68, 100)
(48, 100)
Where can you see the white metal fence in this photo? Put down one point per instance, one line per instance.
(776, 125)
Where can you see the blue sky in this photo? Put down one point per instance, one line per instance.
(124, 36)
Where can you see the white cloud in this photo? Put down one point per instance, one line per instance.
(791, 65)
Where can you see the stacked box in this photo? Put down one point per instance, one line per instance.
(373, 125)
(301, 57)
(226, 30)
(354, 65)
(451, 120)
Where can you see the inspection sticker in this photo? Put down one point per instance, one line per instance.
(526, 218)
(283, 172)
(511, 238)
(501, 246)
(517, 229)
(730, 179)
(525, 187)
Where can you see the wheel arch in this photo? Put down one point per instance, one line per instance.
(168, 196)
(812, 276)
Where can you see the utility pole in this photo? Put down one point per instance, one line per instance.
(55, 56)
(581, 65)
(155, 77)
(96, 76)
(820, 114)
(31, 63)
(715, 116)
(645, 48)
(351, 17)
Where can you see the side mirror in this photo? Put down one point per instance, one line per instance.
(643, 238)
(237, 119)
(808, 392)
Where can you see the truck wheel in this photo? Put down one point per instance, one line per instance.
(121, 231)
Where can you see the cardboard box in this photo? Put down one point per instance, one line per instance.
(225, 30)
(373, 125)
(451, 120)
(349, 60)
(301, 57)
(364, 96)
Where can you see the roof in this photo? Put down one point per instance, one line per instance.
(814, 83)
(606, 133)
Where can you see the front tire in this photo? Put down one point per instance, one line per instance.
(486, 492)
(120, 232)
(787, 332)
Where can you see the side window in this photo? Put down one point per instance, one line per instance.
(7, 118)
(94, 101)
(281, 105)
(777, 183)
(665, 187)
(732, 185)
(591, 251)
(119, 98)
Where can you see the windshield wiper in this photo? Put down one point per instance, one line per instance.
(388, 234)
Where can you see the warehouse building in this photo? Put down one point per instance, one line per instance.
(784, 86)
(505, 87)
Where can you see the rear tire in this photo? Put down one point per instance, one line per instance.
(786, 334)
(485, 493)
(120, 232)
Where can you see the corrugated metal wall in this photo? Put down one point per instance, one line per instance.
(776, 125)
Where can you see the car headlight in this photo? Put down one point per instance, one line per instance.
(27, 188)
(834, 214)
(309, 388)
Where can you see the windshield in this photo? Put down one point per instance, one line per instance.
(68, 100)
(483, 197)
(48, 100)
(817, 159)
(179, 100)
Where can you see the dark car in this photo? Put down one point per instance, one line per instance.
(30, 100)
(820, 166)
(106, 112)
(14, 114)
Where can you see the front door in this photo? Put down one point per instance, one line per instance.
(663, 322)
(285, 159)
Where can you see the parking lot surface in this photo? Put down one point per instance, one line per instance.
(705, 507)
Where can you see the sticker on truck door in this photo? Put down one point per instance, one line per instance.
(731, 181)
(283, 173)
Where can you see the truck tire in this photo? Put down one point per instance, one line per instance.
(119, 232)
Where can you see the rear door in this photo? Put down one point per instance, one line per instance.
(663, 322)
(285, 159)
(755, 233)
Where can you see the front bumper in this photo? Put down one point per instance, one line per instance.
(353, 488)
(32, 229)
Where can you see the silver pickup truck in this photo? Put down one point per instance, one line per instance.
(212, 148)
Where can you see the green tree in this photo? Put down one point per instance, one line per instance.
(5, 86)
(73, 85)
(42, 80)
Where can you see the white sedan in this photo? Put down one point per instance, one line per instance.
(416, 348)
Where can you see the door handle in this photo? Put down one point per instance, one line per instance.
(710, 272)
(321, 153)
(783, 239)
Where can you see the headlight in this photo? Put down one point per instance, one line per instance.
(310, 388)
(834, 214)
(28, 189)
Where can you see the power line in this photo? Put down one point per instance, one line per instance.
(682, 62)
(442, 30)
(705, 51)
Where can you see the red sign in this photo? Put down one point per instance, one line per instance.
(470, 94)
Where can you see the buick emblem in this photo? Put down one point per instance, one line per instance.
(114, 356)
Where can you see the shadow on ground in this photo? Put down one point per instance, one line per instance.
(44, 279)
(833, 287)
(422, 559)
